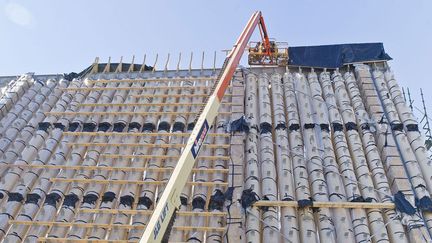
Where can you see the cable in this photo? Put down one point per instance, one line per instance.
(231, 203)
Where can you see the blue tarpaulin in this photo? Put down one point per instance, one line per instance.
(334, 56)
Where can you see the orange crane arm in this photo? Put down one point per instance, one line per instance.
(162, 219)
(264, 35)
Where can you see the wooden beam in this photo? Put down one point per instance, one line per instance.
(120, 65)
(132, 66)
(178, 63)
(167, 63)
(144, 145)
(122, 113)
(349, 205)
(152, 134)
(214, 62)
(148, 212)
(135, 88)
(53, 239)
(107, 226)
(135, 169)
(123, 182)
(140, 80)
(142, 69)
(154, 65)
(202, 61)
(190, 62)
(142, 156)
(108, 66)
(95, 66)
(145, 104)
(173, 96)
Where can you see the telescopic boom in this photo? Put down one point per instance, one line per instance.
(162, 219)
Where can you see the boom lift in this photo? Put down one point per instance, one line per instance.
(268, 51)
(162, 219)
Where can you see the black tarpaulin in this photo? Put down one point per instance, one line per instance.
(402, 204)
(334, 56)
(101, 66)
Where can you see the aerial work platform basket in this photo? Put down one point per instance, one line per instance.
(277, 54)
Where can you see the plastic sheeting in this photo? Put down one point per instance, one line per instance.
(334, 56)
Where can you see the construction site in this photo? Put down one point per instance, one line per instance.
(304, 144)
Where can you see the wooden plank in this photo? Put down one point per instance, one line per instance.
(134, 88)
(145, 134)
(349, 205)
(148, 212)
(135, 169)
(107, 226)
(175, 96)
(143, 145)
(123, 113)
(140, 80)
(53, 239)
(145, 104)
(145, 156)
(123, 182)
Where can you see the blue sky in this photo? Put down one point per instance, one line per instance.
(54, 36)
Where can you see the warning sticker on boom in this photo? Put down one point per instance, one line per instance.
(199, 140)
